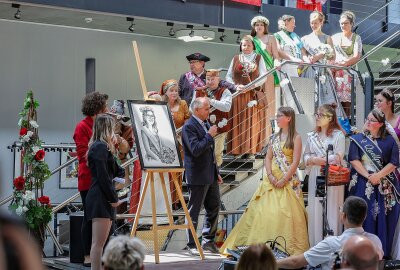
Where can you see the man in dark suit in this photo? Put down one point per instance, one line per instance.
(201, 172)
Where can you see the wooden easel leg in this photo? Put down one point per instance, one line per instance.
(190, 223)
(154, 215)
(167, 203)
(139, 209)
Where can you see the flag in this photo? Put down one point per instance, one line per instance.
(249, 2)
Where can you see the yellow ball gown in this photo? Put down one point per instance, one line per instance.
(273, 212)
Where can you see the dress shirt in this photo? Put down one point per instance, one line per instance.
(323, 252)
(224, 104)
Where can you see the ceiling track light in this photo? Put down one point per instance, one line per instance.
(17, 14)
(132, 26)
(238, 39)
(223, 36)
(171, 31)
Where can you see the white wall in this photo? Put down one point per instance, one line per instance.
(50, 60)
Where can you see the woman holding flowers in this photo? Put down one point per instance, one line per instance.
(279, 197)
(248, 119)
(102, 198)
(319, 48)
(327, 131)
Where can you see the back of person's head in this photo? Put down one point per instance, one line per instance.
(355, 209)
(359, 253)
(257, 257)
(124, 253)
(94, 103)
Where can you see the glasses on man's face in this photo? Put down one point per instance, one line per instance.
(193, 61)
(371, 120)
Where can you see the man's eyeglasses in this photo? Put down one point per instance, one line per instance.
(193, 61)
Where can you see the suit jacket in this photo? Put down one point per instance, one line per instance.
(198, 147)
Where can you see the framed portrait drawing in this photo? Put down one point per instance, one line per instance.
(155, 134)
(69, 174)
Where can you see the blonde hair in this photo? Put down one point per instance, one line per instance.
(317, 15)
(349, 16)
(282, 21)
(103, 131)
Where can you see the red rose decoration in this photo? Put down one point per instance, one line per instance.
(240, 66)
(23, 131)
(44, 200)
(40, 155)
(19, 183)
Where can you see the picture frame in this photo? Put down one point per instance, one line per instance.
(68, 175)
(156, 149)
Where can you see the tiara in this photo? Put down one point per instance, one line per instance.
(169, 85)
(387, 91)
(259, 19)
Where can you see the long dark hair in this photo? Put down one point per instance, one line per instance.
(289, 112)
(330, 110)
(380, 116)
(388, 95)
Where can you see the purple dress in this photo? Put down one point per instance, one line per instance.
(381, 220)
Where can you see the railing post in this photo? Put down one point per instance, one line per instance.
(369, 95)
(353, 98)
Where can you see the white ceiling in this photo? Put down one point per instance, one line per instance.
(110, 22)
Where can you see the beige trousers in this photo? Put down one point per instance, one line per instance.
(219, 147)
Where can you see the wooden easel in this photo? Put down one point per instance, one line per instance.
(171, 226)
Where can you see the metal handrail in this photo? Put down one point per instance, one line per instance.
(372, 14)
(180, 213)
(377, 47)
(65, 146)
(76, 196)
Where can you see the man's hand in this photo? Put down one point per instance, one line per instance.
(116, 204)
(213, 131)
(220, 181)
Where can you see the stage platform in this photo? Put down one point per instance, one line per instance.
(168, 260)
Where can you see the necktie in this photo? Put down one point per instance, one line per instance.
(207, 125)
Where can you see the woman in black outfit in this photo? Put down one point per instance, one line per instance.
(102, 198)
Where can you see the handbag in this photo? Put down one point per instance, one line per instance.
(338, 175)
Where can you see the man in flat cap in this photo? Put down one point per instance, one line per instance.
(195, 79)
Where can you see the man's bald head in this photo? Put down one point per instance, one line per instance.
(359, 253)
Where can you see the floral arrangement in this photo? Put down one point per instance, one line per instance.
(28, 200)
(326, 49)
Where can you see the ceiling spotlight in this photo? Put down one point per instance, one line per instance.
(223, 36)
(171, 31)
(132, 26)
(17, 14)
(236, 32)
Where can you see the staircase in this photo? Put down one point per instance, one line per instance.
(390, 79)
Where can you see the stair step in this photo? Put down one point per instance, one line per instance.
(230, 177)
(395, 65)
(390, 78)
(390, 72)
(393, 87)
(231, 163)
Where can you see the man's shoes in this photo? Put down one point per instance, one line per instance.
(87, 264)
(193, 251)
(210, 246)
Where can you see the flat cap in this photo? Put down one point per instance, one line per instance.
(197, 56)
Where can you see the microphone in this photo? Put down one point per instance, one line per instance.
(330, 147)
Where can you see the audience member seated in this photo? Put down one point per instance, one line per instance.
(353, 215)
(257, 257)
(359, 253)
(124, 253)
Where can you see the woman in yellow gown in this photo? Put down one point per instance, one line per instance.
(277, 207)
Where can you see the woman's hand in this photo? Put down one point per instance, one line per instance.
(318, 161)
(272, 180)
(374, 179)
(281, 183)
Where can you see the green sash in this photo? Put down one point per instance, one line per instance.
(269, 61)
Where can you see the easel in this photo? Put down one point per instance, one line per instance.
(171, 226)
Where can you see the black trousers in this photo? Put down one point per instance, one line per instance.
(86, 230)
(209, 196)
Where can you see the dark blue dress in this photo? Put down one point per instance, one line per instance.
(380, 221)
